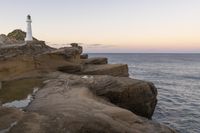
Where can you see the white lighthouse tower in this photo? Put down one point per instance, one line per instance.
(29, 30)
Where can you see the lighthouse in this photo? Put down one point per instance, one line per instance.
(28, 29)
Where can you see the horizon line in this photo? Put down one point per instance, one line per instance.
(142, 53)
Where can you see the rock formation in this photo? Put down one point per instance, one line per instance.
(107, 69)
(95, 61)
(18, 35)
(76, 94)
(15, 37)
(84, 56)
(6, 40)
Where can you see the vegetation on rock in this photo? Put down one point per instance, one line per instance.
(18, 34)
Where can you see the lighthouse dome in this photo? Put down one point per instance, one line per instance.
(28, 17)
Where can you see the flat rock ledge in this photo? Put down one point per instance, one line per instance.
(120, 70)
(95, 60)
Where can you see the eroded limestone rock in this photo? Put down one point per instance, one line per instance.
(95, 61)
(84, 56)
(36, 56)
(106, 69)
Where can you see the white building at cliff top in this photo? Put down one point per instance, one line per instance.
(29, 29)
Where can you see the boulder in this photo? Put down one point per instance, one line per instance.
(84, 56)
(95, 61)
(106, 69)
(135, 95)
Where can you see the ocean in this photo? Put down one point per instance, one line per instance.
(177, 78)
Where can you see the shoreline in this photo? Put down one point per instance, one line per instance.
(107, 90)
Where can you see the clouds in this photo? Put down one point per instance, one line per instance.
(99, 45)
(88, 46)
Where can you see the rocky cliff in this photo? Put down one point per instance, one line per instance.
(76, 94)
(4, 40)
(18, 35)
(15, 37)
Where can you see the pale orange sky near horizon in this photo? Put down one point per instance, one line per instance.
(110, 25)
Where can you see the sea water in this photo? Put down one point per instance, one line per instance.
(177, 77)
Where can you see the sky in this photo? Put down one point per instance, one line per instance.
(104, 26)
